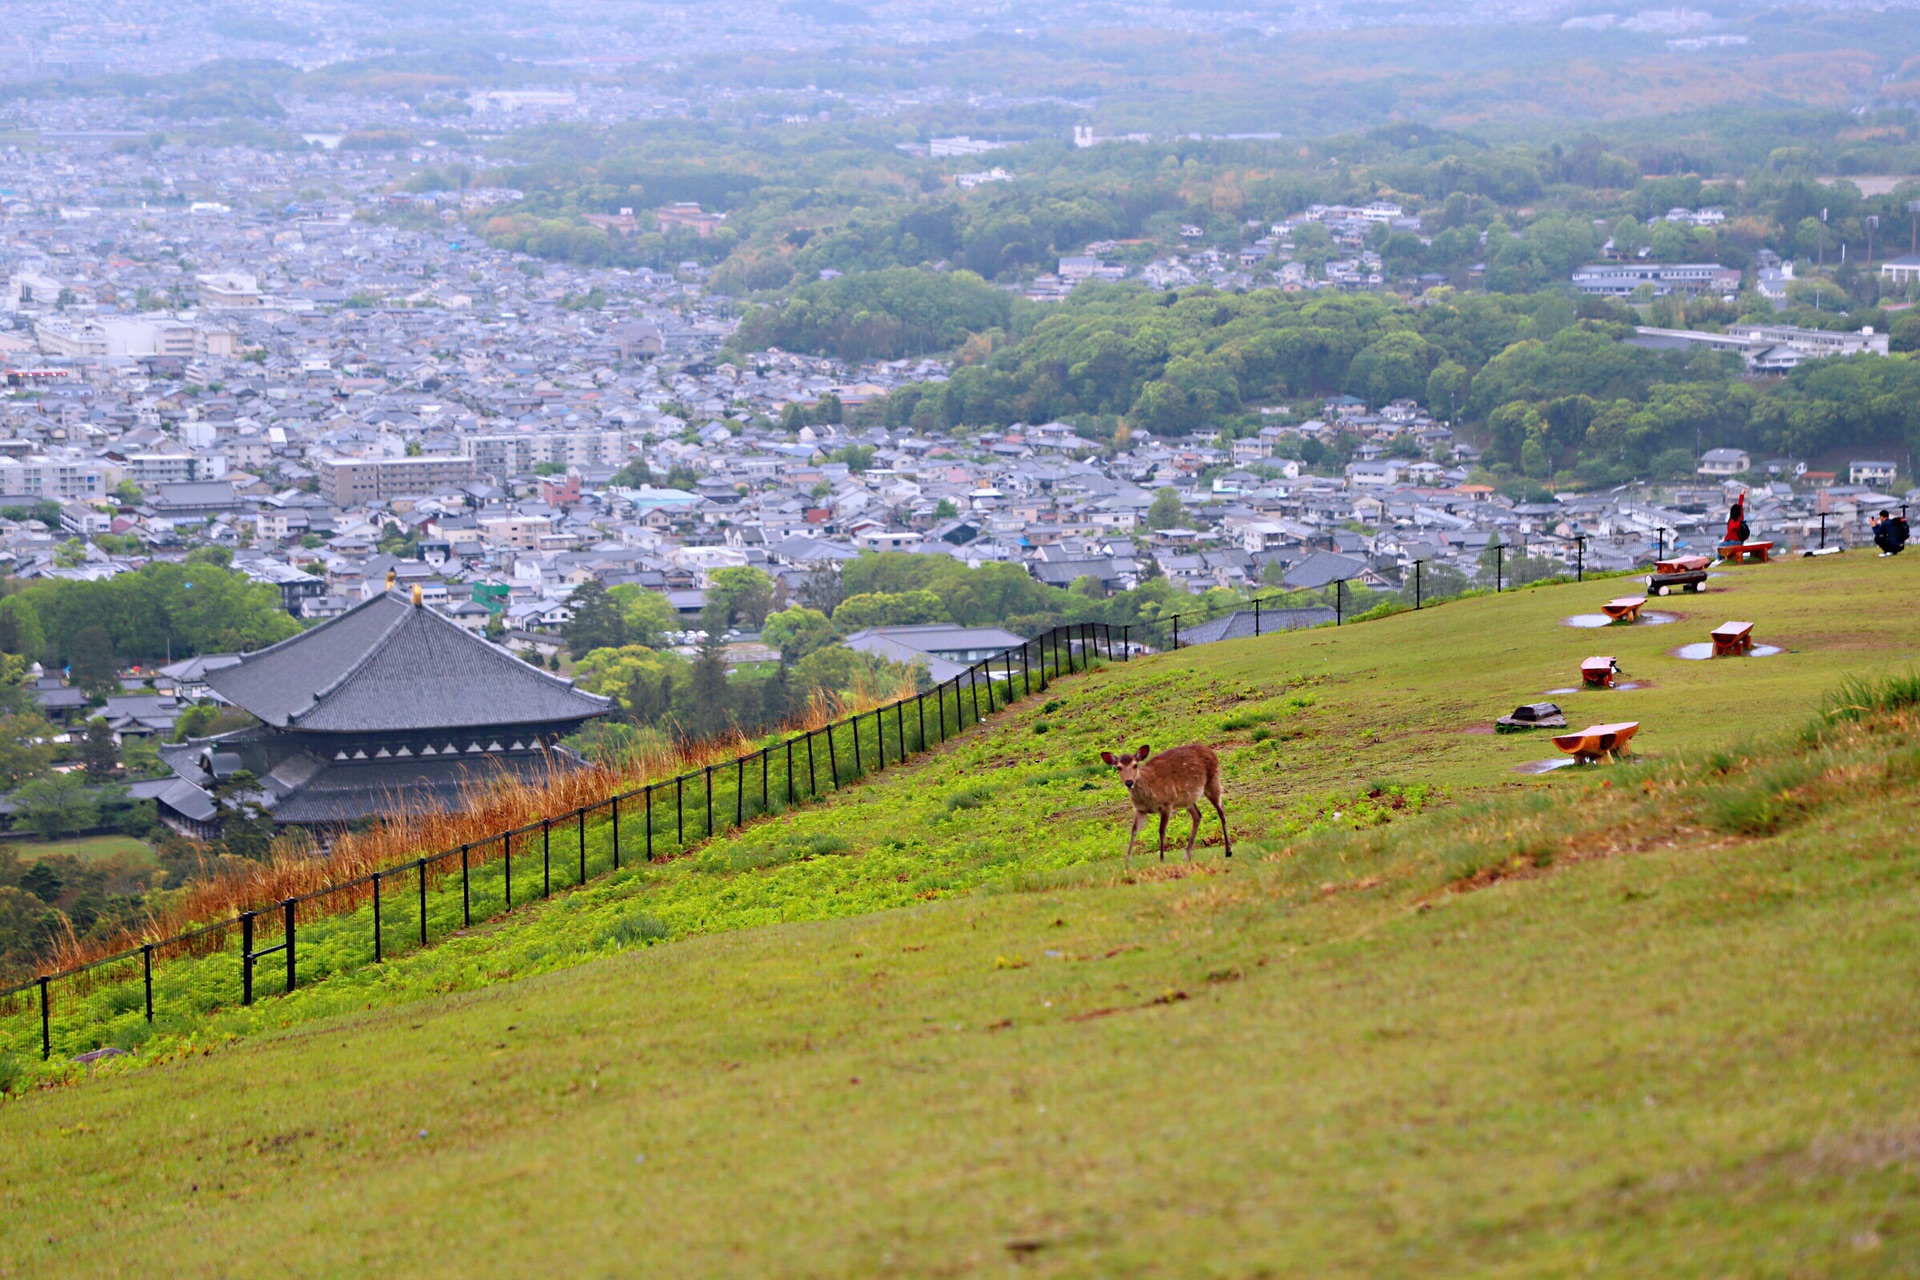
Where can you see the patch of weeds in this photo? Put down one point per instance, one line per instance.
(1053, 705)
(637, 927)
(968, 798)
(1261, 734)
(1041, 726)
(1774, 798)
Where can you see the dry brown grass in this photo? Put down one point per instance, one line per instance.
(494, 801)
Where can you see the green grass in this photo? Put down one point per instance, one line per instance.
(86, 848)
(1438, 1017)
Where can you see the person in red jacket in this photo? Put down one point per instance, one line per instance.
(1737, 527)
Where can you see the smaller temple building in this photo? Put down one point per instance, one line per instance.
(388, 707)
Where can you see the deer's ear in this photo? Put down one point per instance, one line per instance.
(1108, 757)
(1143, 752)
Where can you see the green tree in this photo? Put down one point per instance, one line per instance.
(246, 827)
(1166, 511)
(26, 748)
(646, 616)
(708, 711)
(598, 622)
(798, 631)
(742, 593)
(896, 609)
(20, 630)
(54, 806)
(91, 662)
(838, 669)
(99, 753)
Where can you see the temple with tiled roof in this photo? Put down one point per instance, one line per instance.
(389, 706)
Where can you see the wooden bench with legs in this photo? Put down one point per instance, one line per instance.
(1686, 572)
(1598, 742)
(1624, 608)
(1745, 552)
(1732, 639)
(1598, 672)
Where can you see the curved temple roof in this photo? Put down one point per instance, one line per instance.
(389, 665)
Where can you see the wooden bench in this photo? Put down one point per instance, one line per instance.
(1732, 639)
(1624, 608)
(1688, 573)
(1745, 552)
(1598, 672)
(1598, 742)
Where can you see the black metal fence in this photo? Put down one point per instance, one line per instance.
(654, 821)
(665, 817)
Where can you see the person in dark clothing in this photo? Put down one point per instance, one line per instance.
(1890, 533)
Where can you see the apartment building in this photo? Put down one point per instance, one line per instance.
(353, 482)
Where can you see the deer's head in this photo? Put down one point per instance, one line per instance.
(1129, 765)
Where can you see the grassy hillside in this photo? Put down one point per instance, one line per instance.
(1438, 1017)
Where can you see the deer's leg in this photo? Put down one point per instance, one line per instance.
(1133, 835)
(1164, 813)
(1193, 811)
(1223, 823)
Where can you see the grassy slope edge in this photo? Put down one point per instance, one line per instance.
(1521, 1034)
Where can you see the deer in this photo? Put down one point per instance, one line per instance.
(1174, 779)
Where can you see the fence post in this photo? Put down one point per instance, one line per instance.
(506, 848)
(940, 705)
(900, 725)
(709, 834)
(1659, 545)
(680, 811)
(855, 722)
(763, 779)
(581, 831)
(1580, 558)
(880, 736)
(739, 790)
(377, 958)
(833, 759)
(421, 868)
(647, 821)
(1126, 642)
(1823, 529)
(813, 781)
(288, 907)
(466, 890)
(1176, 631)
(920, 701)
(146, 970)
(790, 766)
(1499, 562)
(1416, 583)
(1256, 619)
(1339, 600)
(973, 687)
(546, 857)
(246, 957)
(1026, 674)
(46, 1022)
(616, 831)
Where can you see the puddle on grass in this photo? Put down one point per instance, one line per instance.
(1696, 652)
(1545, 766)
(1553, 692)
(1648, 618)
